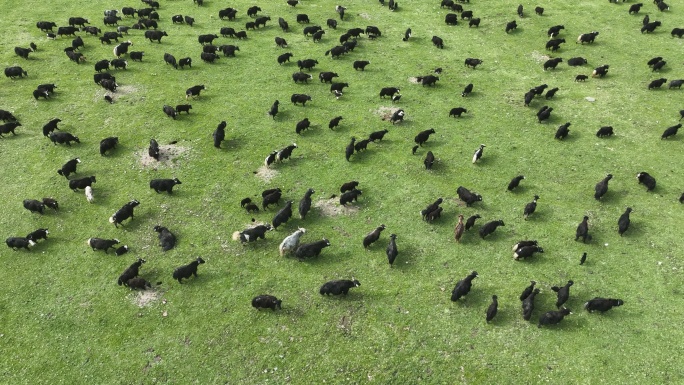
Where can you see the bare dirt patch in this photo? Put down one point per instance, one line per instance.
(331, 207)
(414, 80)
(167, 156)
(386, 112)
(126, 90)
(121, 91)
(539, 57)
(266, 174)
(146, 297)
(345, 324)
(364, 16)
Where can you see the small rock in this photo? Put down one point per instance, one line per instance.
(590, 99)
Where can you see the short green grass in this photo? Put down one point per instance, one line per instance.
(63, 319)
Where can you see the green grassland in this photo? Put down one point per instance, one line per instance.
(63, 319)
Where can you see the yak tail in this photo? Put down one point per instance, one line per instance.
(327, 52)
(236, 236)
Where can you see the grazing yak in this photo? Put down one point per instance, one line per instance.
(624, 221)
(470, 222)
(391, 250)
(9, 127)
(194, 91)
(515, 182)
(438, 42)
(291, 242)
(169, 111)
(463, 287)
(430, 208)
(271, 198)
(671, 131)
(492, 309)
(587, 37)
(562, 131)
(82, 183)
(397, 117)
(338, 287)
(530, 207)
(125, 212)
(300, 98)
(101, 244)
(187, 271)
(429, 160)
(553, 317)
(167, 240)
(423, 136)
(526, 251)
(34, 206)
(466, 196)
(219, 135)
(274, 109)
(602, 304)
(562, 293)
(605, 131)
(160, 185)
(252, 234)
(601, 187)
(305, 203)
(377, 135)
(528, 290)
(490, 227)
(16, 243)
(647, 180)
(459, 229)
(310, 250)
(283, 215)
(107, 144)
(349, 196)
(373, 236)
(583, 230)
(266, 301)
(130, 273)
(14, 72)
(528, 304)
(457, 112)
(38, 234)
(478, 153)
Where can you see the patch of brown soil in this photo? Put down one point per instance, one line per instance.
(120, 91)
(539, 57)
(386, 112)
(167, 156)
(332, 207)
(146, 297)
(266, 174)
(345, 324)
